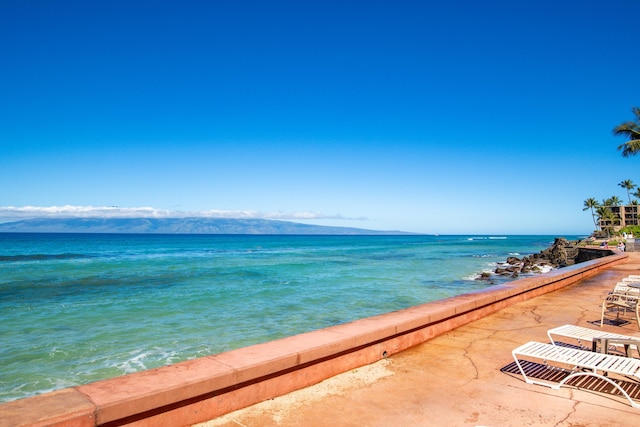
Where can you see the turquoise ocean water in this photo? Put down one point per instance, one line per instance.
(76, 308)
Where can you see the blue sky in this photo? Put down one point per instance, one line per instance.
(432, 117)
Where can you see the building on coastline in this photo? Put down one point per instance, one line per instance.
(623, 216)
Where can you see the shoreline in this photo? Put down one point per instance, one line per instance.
(277, 366)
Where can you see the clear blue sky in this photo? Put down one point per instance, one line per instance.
(424, 116)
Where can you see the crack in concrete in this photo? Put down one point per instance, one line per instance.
(537, 317)
(473, 364)
(574, 409)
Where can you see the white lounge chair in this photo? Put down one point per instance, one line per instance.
(587, 337)
(624, 297)
(581, 363)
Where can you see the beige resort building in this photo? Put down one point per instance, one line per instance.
(625, 215)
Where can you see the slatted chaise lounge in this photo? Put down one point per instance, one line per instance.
(586, 337)
(625, 296)
(581, 363)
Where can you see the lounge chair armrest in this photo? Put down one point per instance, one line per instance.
(622, 296)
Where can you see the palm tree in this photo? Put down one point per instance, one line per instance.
(628, 185)
(606, 218)
(592, 204)
(637, 193)
(629, 130)
(612, 201)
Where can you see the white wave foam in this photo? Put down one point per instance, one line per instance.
(143, 360)
(487, 238)
(545, 268)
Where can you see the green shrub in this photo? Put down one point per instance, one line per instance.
(631, 229)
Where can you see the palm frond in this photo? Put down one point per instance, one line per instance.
(630, 148)
(631, 131)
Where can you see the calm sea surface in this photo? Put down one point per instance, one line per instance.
(76, 308)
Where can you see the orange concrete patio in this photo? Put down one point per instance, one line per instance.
(455, 379)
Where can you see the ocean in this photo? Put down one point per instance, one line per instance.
(77, 308)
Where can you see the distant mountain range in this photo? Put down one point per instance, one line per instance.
(178, 226)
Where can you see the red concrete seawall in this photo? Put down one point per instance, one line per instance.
(205, 388)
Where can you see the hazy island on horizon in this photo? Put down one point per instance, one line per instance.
(180, 226)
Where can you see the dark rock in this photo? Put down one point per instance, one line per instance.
(560, 254)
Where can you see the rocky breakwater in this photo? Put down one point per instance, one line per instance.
(561, 254)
